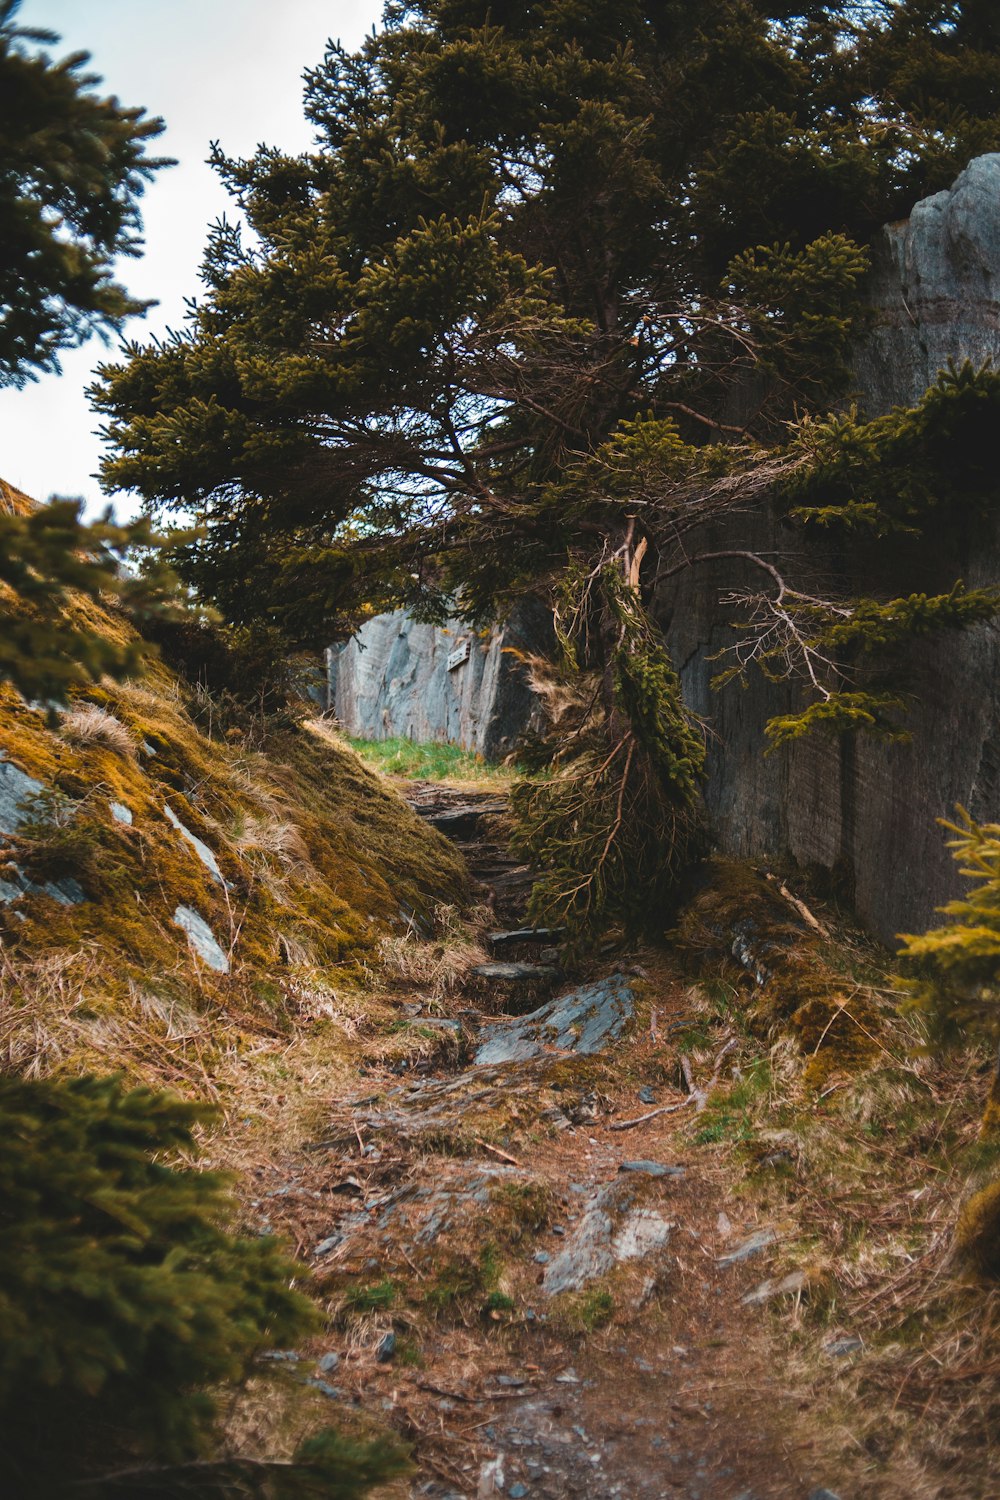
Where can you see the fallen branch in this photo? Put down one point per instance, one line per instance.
(495, 1150)
(801, 907)
(665, 1109)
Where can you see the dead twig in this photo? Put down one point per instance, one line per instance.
(495, 1151)
(665, 1109)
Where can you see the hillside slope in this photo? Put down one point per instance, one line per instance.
(163, 882)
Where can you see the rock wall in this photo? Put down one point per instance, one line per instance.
(397, 677)
(935, 289)
(859, 808)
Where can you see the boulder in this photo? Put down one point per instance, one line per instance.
(585, 1021)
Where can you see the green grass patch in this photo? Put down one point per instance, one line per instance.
(434, 762)
(375, 1298)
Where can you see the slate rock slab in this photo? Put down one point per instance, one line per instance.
(584, 1021)
(514, 973)
(651, 1168)
(202, 939)
(16, 788)
(204, 853)
(612, 1229)
(753, 1246)
(784, 1286)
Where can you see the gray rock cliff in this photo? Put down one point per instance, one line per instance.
(862, 809)
(934, 289)
(397, 677)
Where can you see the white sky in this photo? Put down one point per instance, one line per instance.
(226, 70)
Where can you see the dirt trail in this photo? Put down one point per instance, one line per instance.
(587, 1335)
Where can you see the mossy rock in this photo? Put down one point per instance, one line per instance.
(836, 1035)
(977, 1236)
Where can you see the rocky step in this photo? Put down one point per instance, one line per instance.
(461, 822)
(544, 937)
(516, 973)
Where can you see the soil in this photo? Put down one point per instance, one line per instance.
(654, 1380)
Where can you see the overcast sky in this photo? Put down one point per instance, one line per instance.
(227, 70)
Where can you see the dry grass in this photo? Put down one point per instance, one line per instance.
(438, 967)
(92, 725)
(866, 1163)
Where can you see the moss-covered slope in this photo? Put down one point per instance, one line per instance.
(155, 868)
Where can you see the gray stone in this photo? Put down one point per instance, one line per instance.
(753, 1246)
(333, 1391)
(498, 940)
(823, 1495)
(861, 806)
(935, 290)
(121, 813)
(66, 891)
(202, 939)
(200, 848)
(785, 1286)
(329, 1362)
(651, 1168)
(843, 1348)
(584, 1021)
(16, 788)
(386, 1349)
(393, 679)
(517, 1491)
(612, 1229)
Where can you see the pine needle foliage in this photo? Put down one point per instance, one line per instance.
(564, 284)
(51, 562)
(958, 963)
(72, 170)
(124, 1297)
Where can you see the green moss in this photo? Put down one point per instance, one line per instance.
(583, 1312)
(320, 861)
(977, 1236)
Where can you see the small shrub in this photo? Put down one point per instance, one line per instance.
(376, 1298)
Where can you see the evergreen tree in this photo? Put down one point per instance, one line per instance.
(72, 168)
(540, 306)
(124, 1297)
(50, 563)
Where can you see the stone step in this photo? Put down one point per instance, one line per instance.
(460, 822)
(512, 973)
(542, 936)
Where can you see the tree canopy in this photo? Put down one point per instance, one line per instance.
(72, 169)
(539, 306)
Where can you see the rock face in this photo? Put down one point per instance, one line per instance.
(863, 809)
(423, 682)
(935, 289)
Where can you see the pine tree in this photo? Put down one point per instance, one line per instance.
(72, 168)
(539, 308)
